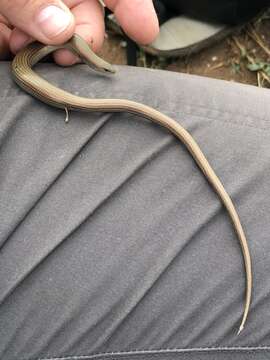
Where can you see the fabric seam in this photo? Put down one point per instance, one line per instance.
(158, 352)
(219, 111)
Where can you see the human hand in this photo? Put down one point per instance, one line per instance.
(55, 21)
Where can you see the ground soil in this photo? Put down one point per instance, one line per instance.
(230, 59)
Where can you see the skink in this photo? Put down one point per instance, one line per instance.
(35, 85)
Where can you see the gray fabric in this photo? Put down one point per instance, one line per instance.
(112, 241)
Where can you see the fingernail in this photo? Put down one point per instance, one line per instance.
(53, 20)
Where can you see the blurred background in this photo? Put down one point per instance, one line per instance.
(243, 56)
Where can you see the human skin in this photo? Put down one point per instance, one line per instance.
(54, 22)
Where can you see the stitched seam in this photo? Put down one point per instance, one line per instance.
(226, 112)
(173, 114)
(226, 121)
(159, 352)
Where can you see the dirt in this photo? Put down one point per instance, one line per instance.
(230, 59)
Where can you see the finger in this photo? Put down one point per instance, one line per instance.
(48, 21)
(3, 20)
(89, 20)
(137, 18)
(4, 39)
(18, 40)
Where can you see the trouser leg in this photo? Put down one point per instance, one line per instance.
(111, 238)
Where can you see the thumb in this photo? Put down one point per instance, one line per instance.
(49, 21)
